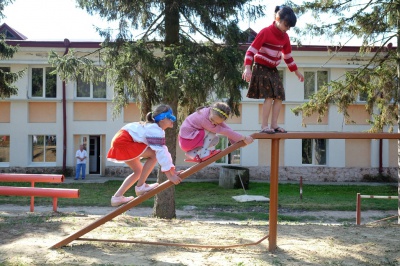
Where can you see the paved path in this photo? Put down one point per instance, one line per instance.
(103, 179)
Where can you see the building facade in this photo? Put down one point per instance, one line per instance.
(43, 125)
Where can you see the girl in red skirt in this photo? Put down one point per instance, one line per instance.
(143, 140)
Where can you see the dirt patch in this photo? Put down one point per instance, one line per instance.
(26, 239)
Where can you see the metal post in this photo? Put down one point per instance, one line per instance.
(358, 212)
(32, 208)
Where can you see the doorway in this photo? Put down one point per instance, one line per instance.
(94, 155)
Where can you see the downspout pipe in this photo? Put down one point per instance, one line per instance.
(64, 105)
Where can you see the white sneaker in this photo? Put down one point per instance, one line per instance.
(145, 188)
(116, 201)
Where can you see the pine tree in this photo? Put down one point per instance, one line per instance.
(166, 64)
(376, 23)
(7, 78)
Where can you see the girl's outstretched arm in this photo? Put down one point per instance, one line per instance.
(299, 75)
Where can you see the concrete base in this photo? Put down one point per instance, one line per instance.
(245, 198)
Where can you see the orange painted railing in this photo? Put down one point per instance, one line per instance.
(358, 203)
(32, 178)
(36, 192)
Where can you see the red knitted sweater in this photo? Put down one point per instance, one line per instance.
(268, 47)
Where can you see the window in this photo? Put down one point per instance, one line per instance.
(3, 73)
(363, 95)
(90, 90)
(6, 69)
(231, 158)
(4, 149)
(44, 84)
(313, 80)
(44, 148)
(314, 151)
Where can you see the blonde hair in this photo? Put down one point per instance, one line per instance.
(221, 109)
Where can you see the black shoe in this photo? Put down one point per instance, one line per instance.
(76, 178)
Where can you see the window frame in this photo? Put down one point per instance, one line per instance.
(44, 162)
(92, 87)
(5, 163)
(227, 159)
(316, 85)
(314, 161)
(44, 82)
(359, 97)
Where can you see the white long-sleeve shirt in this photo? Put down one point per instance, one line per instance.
(153, 136)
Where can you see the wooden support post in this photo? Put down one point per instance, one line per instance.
(273, 195)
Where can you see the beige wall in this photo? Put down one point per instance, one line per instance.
(235, 119)
(358, 153)
(86, 111)
(313, 119)
(5, 112)
(131, 113)
(393, 153)
(358, 114)
(264, 153)
(42, 112)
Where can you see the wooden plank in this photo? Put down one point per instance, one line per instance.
(136, 201)
(326, 135)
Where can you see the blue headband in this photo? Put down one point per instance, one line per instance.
(168, 114)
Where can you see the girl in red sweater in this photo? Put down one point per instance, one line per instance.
(270, 45)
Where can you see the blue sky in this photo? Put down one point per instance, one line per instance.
(60, 19)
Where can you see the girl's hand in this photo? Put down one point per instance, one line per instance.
(299, 75)
(175, 179)
(247, 74)
(248, 140)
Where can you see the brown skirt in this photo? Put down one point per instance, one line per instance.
(265, 83)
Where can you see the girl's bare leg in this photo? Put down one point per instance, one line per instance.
(276, 107)
(131, 179)
(265, 112)
(148, 166)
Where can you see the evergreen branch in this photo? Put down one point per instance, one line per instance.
(145, 34)
(197, 29)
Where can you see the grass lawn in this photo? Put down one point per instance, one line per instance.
(209, 195)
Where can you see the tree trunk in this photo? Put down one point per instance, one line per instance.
(164, 203)
(398, 110)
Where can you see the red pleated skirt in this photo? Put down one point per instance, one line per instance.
(124, 148)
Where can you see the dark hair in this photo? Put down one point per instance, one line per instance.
(157, 110)
(286, 14)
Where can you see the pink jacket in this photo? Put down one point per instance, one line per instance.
(200, 120)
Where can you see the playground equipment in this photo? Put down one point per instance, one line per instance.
(33, 191)
(136, 201)
(273, 210)
(358, 208)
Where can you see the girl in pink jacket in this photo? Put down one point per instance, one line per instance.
(198, 133)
